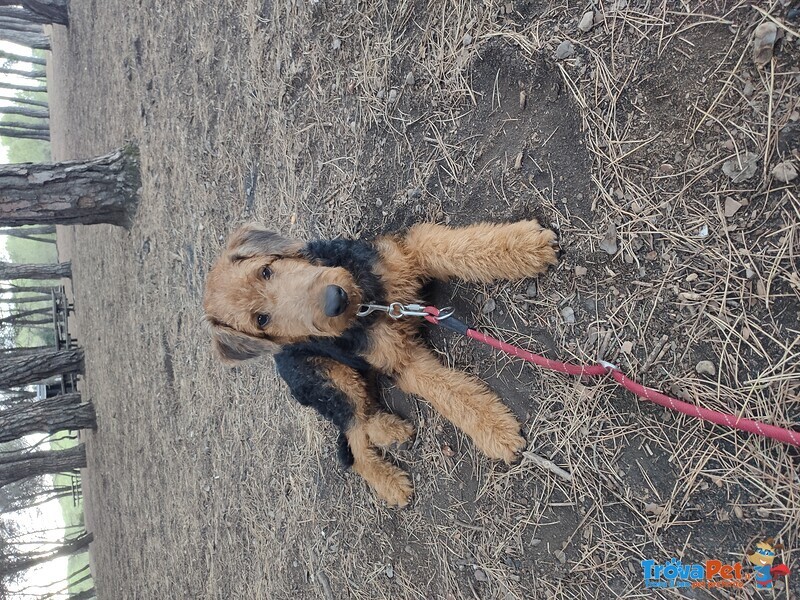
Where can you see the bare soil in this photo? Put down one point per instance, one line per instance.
(325, 118)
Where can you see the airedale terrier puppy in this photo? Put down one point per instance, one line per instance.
(268, 294)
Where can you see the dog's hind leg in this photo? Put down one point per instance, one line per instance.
(466, 402)
(483, 252)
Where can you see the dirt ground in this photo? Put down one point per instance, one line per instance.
(327, 118)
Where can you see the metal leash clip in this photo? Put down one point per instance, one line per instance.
(397, 310)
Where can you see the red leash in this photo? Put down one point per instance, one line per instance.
(787, 436)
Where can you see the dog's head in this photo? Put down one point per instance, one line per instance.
(263, 293)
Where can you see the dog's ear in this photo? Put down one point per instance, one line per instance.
(254, 240)
(234, 346)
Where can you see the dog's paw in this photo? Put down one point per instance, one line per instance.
(395, 487)
(385, 429)
(504, 442)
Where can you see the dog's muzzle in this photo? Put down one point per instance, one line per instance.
(336, 301)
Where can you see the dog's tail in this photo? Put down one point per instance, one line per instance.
(343, 451)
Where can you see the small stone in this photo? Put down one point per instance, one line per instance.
(653, 508)
(705, 367)
(587, 21)
(691, 277)
(565, 50)
(448, 451)
(480, 575)
(532, 290)
(731, 206)
(559, 554)
(389, 570)
(703, 233)
(737, 510)
(609, 242)
(580, 271)
(764, 42)
(466, 40)
(568, 315)
(489, 306)
(410, 79)
(784, 172)
(392, 95)
(336, 44)
(741, 168)
(666, 169)
(627, 347)
(378, 202)
(748, 89)
(414, 193)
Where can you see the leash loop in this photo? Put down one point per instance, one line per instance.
(397, 310)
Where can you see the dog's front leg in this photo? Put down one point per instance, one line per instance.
(465, 401)
(370, 426)
(484, 252)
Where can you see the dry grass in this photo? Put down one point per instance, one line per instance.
(212, 483)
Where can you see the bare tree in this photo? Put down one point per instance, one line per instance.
(46, 416)
(25, 112)
(38, 41)
(33, 270)
(40, 74)
(16, 563)
(100, 190)
(54, 11)
(30, 134)
(22, 88)
(27, 101)
(21, 465)
(30, 368)
(34, 60)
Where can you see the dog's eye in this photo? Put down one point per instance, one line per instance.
(262, 320)
(266, 272)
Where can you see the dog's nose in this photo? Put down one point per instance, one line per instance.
(335, 300)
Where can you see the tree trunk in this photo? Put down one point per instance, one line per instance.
(28, 101)
(34, 60)
(32, 126)
(23, 14)
(23, 38)
(33, 464)
(25, 112)
(13, 24)
(22, 88)
(30, 368)
(55, 10)
(29, 74)
(46, 416)
(101, 190)
(16, 564)
(28, 134)
(26, 231)
(32, 270)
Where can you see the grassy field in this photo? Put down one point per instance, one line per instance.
(337, 118)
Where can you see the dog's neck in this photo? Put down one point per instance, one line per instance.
(360, 259)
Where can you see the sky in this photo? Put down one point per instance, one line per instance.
(48, 515)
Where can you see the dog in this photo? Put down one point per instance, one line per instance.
(270, 294)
